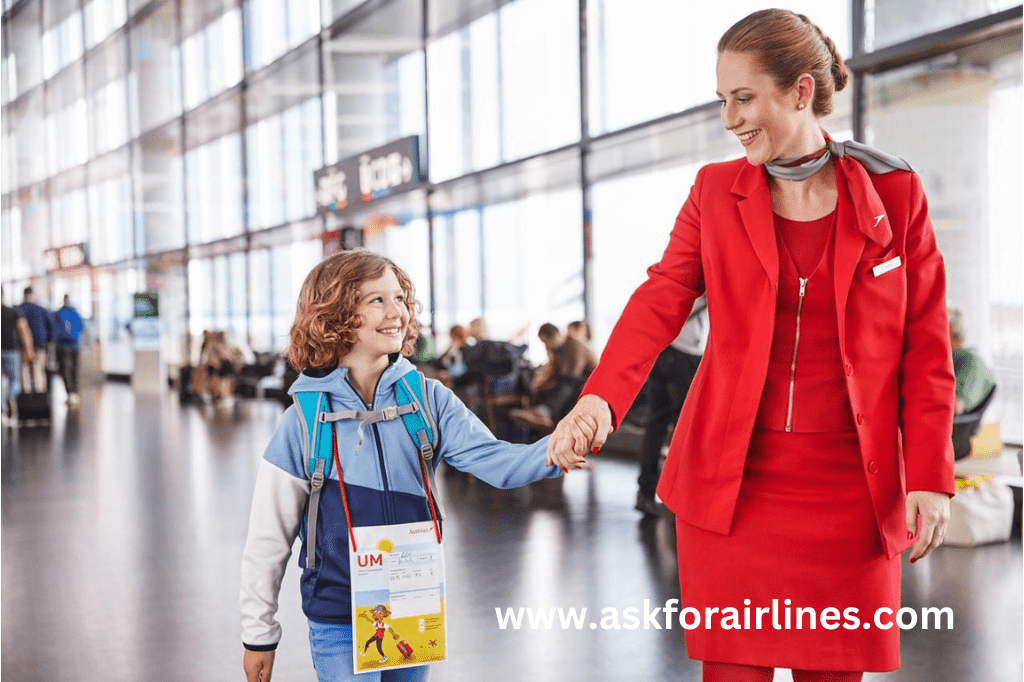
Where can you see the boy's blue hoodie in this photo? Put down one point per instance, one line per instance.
(383, 484)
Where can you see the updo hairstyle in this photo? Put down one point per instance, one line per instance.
(788, 45)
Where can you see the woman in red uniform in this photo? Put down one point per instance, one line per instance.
(815, 444)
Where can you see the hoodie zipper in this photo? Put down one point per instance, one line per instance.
(387, 504)
(796, 347)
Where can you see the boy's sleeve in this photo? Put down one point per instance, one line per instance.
(278, 505)
(467, 445)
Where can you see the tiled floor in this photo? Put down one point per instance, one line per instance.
(123, 525)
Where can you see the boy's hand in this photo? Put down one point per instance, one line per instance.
(258, 665)
(583, 430)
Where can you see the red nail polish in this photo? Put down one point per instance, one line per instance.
(595, 450)
(565, 469)
(910, 535)
(913, 560)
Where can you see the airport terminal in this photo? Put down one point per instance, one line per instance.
(173, 169)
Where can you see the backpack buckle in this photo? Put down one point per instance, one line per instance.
(317, 480)
(427, 451)
(390, 413)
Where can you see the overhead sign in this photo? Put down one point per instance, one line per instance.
(374, 174)
(66, 257)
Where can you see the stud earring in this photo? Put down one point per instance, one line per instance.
(800, 106)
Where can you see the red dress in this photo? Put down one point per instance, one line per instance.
(804, 528)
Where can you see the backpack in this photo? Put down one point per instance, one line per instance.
(314, 409)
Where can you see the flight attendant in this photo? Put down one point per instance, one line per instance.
(815, 444)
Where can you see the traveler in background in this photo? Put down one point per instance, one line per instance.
(668, 384)
(557, 383)
(40, 322)
(17, 337)
(478, 330)
(69, 335)
(816, 446)
(974, 380)
(451, 364)
(580, 330)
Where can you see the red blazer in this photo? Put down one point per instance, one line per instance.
(893, 331)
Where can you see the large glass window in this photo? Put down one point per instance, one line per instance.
(14, 266)
(213, 177)
(107, 86)
(458, 268)
(7, 84)
(540, 76)
(200, 302)
(211, 51)
(303, 153)
(9, 158)
(66, 121)
(264, 147)
(260, 288)
(332, 9)
(213, 171)
(967, 106)
(29, 137)
(62, 35)
(159, 192)
(155, 79)
(283, 142)
(23, 30)
(103, 17)
(68, 213)
(111, 232)
(503, 87)
(649, 58)
(373, 74)
(34, 211)
(290, 263)
(276, 26)
(893, 21)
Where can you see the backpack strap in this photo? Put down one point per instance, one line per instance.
(318, 454)
(411, 390)
(314, 409)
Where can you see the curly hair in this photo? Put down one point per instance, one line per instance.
(324, 330)
(788, 45)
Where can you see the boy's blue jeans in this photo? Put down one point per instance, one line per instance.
(331, 646)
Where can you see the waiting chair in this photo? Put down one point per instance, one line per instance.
(966, 425)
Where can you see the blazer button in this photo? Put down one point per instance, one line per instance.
(872, 467)
(860, 418)
(849, 370)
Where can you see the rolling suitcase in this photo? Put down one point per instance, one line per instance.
(34, 407)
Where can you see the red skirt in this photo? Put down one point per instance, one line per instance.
(804, 531)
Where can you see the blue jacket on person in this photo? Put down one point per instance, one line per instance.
(40, 322)
(383, 483)
(69, 327)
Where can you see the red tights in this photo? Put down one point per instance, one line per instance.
(731, 672)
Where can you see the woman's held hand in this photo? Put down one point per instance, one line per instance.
(583, 430)
(933, 509)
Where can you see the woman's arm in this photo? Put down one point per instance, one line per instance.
(927, 383)
(650, 321)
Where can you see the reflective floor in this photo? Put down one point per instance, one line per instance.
(123, 526)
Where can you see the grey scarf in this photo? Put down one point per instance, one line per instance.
(875, 161)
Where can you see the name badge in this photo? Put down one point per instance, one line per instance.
(886, 266)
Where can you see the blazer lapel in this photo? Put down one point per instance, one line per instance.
(755, 205)
(860, 216)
